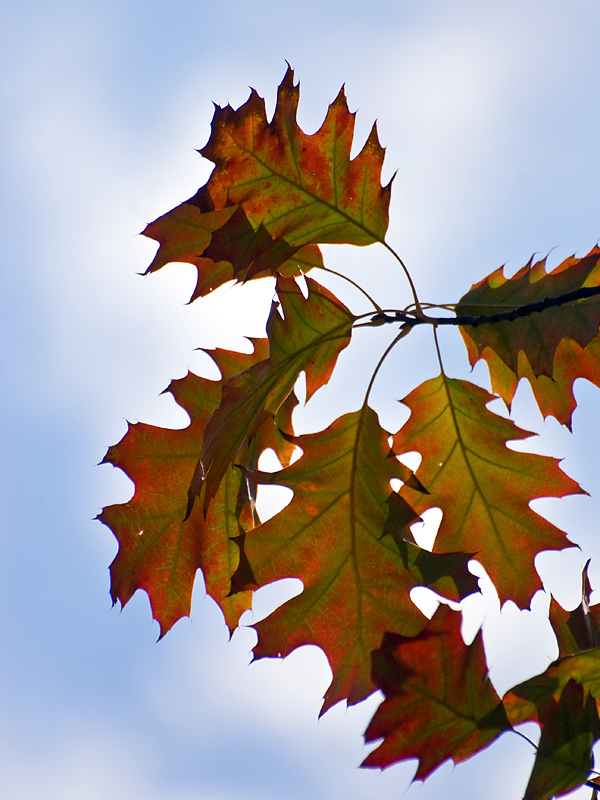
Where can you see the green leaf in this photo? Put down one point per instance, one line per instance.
(483, 488)
(563, 701)
(564, 756)
(552, 348)
(539, 334)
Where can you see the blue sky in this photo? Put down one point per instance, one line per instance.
(490, 114)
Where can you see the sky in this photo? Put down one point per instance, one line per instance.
(490, 115)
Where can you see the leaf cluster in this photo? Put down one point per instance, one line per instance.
(275, 195)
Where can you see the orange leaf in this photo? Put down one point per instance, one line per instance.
(334, 537)
(554, 395)
(159, 552)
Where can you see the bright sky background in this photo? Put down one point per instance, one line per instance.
(490, 114)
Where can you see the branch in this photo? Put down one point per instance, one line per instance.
(504, 316)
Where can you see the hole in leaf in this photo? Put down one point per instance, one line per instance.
(411, 460)
(270, 500)
(425, 600)
(426, 531)
(302, 285)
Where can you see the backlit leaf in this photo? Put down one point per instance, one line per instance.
(579, 629)
(303, 189)
(336, 536)
(275, 194)
(439, 702)
(159, 552)
(223, 246)
(563, 701)
(482, 487)
(554, 395)
(309, 338)
(550, 348)
(537, 334)
(564, 756)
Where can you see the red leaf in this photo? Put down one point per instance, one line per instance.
(304, 189)
(439, 702)
(223, 246)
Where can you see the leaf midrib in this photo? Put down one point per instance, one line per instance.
(303, 189)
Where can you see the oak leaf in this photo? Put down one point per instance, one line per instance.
(223, 246)
(579, 629)
(275, 194)
(345, 535)
(309, 337)
(483, 488)
(439, 702)
(550, 348)
(554, 395)
(564, 702)
(303, 189)
(159, 552)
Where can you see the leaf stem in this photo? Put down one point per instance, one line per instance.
(407, 273)
(527, 739)
(356, 285)
(437, 347)
(404, 332)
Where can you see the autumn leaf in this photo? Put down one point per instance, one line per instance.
(564, 756)
(275, 194)
(483, 488)
(303, 189)
(309, 337)
(564, 702)
(439, 702)
(336, 535)
(537, 334)
(158, 551)
(550, 348)
(271, 437)
(554, 395)
(223, 246)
